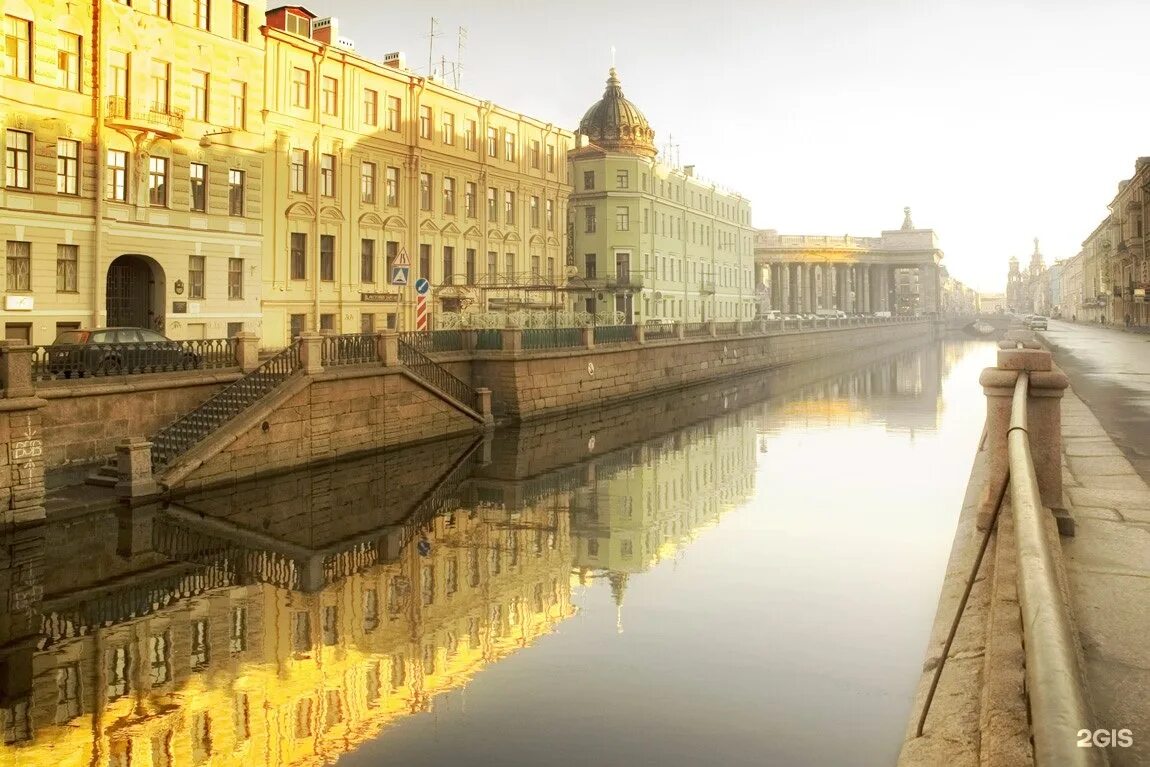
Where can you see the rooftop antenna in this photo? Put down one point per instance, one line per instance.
(458, 71)
(431, 45)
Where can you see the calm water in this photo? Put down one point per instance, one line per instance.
(745, 574)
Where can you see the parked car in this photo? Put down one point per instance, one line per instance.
(109, 351)
(1036, 322)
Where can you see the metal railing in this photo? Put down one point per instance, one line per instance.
(489, 339)
(350, 349)
(726, 328)
(1058, 706)
(660, 330)
(187, 431)
(431, 372)
(54, 362)
(691, 329)
(552, 338)
(614, 334)
(435, 340)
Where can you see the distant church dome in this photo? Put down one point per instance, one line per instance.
(617, 125)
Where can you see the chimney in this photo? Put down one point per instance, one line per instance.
(689, 171)
(395, 60)
(327, 31)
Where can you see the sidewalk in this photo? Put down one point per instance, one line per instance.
(1108, 565)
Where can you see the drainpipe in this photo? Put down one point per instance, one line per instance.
(101, 152)
(317, 145)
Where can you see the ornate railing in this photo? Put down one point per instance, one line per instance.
(55, 362)
(489, 339)
(177, 541)
(659, 330)
(350, 349)
(726, 328)
(614, 334)
(187, 431)
(431, 372)
(696, 329)
(552, 338)
(435, 340)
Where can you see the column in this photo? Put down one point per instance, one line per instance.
(810, 270)
(785, 287)
(928, 282)
(866, 289)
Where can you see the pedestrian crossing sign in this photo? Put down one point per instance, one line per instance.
(399, 275)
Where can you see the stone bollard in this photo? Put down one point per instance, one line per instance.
(712, 331)
(134, 465)
(640, 334)
(1044, 428)
(387, 348)
(739, 327)
(680, 331)
(311, 352)
(588, 338)
(16, 370)
(512, 339)
(247, 351)
(485, 406)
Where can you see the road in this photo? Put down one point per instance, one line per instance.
(1110, 372)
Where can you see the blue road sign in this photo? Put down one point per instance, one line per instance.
(399, 275)
(422, 286)
(423, 547)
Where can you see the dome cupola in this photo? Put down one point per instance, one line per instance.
(615, 124)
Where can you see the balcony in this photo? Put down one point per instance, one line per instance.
(707, 287)
(632, 282)
(165, 121)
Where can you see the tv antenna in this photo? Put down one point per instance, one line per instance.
(431, 45)
(457, 71)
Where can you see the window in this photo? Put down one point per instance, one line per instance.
(299, 170)
(196, 277)
(327, 175)
(162, 8)
(590, 227)
(239, 99)
(18, 47)
(469, 199)
(235, 279)
(470, 266)
(392, 186)
(119, 667)
(18, 159)
(327, 322)
(329, 95)
(448, 265)
(534, 153)
(492, 266)
(67, 257)
(492, 205)
(370, 622)
(393, 109)
(550, 158)
(534, 212)
(424, 260)
(535, 260)
(427, 588)
(300, 88)
(199, 95)
(201, 737)
(117, 175)
(469, 130)
(158, 181)
(448, 196)
(509, 263)
(240, 20)
(367, 183)
(298, 25)
(622, 179)
(509, 146)
(425, 122)
(67, 166)
(425, 191)
(119, 75)
(235, 192)
(509, 206)
(492, 142)
(367, 260)
(159, 655)
(327, 257)
(234, 329)
(67, 692)
(390, 253)
(161, 86)
(198, 175)
(18, 266)
(297, 323)
(298, 256)
(448, 128)
(370, 107)
(589, 266)
(68, 61)
(588, 179)
(241, 718)
(622, 218)
(201, 13)
(549, 214)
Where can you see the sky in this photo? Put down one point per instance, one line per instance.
(995, 121)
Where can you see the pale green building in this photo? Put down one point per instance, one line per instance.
(649, 240)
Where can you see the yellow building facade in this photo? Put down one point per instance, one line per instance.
(133, 184)
(374, 170)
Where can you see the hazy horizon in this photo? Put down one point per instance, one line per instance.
(995, 123)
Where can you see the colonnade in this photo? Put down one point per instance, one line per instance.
(805, 287)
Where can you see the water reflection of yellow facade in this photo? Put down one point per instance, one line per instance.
(264, 675)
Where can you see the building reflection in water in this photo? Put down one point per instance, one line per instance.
(288, 620)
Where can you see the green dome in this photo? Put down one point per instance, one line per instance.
(615, 124)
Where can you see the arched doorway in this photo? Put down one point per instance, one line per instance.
(135, 293)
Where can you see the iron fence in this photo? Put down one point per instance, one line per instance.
(614, 334)
(180, 436)
(62, 361)
(350, 349)
(727, 328)
(696, 329)
(660, 330)
(438, 376)
(552, 338)
(430, 341)
(489, 339)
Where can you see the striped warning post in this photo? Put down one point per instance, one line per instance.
(421, 312)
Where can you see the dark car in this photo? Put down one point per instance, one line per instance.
(112, 351)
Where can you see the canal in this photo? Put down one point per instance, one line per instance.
(742, 574)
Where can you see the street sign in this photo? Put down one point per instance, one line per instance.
(422, 286)
(399, 275)
(421, 310)
(402, 259)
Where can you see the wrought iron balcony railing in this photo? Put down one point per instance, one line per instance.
(161, 118)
